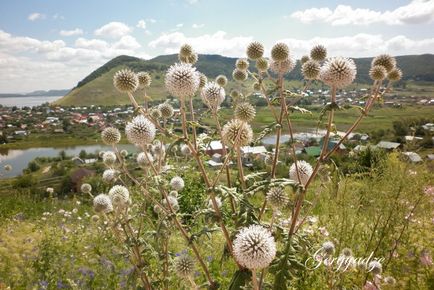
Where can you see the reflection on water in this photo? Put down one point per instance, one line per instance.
(27, 101)
(19, 159)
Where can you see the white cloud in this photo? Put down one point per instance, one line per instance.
(141, 24)
(416, 12)
(58, 16)
(217, 43)
(179, 25)
(35, 16)
(191, 2)
(152, 20)
(72, 32)
(113, 30)
(196, 26)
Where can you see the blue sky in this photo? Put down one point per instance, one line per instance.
(53, 44)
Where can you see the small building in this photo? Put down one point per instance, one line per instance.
(313, 151)
(388, 145)
(412, 157)
(20, 133)
(215, 147)
(412, 138)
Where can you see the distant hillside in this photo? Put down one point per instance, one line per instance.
(50, 93)
(97, 87)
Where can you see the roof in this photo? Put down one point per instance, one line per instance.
(413, 156)
(253, 150)
(388, 145)
(215, 145)
(313, 151)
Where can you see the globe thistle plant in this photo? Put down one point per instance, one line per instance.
(166, 110)
(318, 53)
(245, 112)
(144, 79)
(390, 280)
(310, 70)
(185, 150)
(109, 158)
(235, 94)
(221, 80)
(186, 50)
(173, 201)
(140, 130)
(110, 136)
(177, 183)
(124, 153)
(257, 86)
(304, 59)
(155, 113)
(202, 80)
(394, 75)
(182, 80)
(213, 95)
(110, 175)
(184, 265)
(255, 50)
(119, 195)
(377, 73)
(237, 133)
(239, 75)
(242, 64)
(328, 247)
(192, 59)
(282, 67)
(86, 188)
(338, 72)
(280, 52)
(385, 60)
(126, 81)
(277, 197)
(254, 247)
(375, 267)
(102, 204)
(304, 171)
(262, 64)
(145, 159)
(218, 202)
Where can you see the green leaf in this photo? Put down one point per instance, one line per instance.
(299, 109)
(240, 279)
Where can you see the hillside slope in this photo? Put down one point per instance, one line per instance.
(97, 88)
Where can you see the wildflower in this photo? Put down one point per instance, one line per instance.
(177, 183)
(282, 67)
(213, 95)
(111, 136)
(347, 252)
(310, 70)
(242, 64)
(394, 75)
(125, 81)
(338, 72)
(279, 52)
(262, 64)
(389, 280)
(385, 60)
(202, 80)
(155, 113)
(119, 195)
(140, 130)
(192, 59)
(166, 110)
(218, 202)
(237, 133)
(86, 188)
(375, 267)
(221, 80)
(174, 193)
(255, 50)
(245, 112)
(328, 247)
(109, 158)
(254, 247)
(277, 197)
(102, 203)
(144, 79)
(109, 175)
(239, 75)
(377, 73)
(182, 80)
(173, 201)
(184, 265)
(304, 171)
(185, 150)
(186, 50)
(50, 190)
(144, 159)
(304, 59)
(318, 53)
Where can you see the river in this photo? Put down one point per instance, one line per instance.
(27, 101)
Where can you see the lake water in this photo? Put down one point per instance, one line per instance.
(27, 101)
(19, 159)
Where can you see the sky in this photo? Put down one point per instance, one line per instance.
(53, 44)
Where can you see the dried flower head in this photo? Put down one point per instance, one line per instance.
(280, 52)
(347, 252)
(304, 171)
(184, 265)
(242, 64)
(375, 267)
(192, 59)
(237, 133)
(377, 73)
(155, 113)
(111, 136)
(177, 183)
(109, 158)
(86, 188)
(124, 153)
(218, 202)
(235, 94)
(110, 175)
(318, 53)
(182, 80)
(255, 50)
(186, 50)
(119, 195)
(254, 247)
(144, 79)
(328, 247)
(202, 80)
(166, 110)
(310, 70)
(262, 64)
(239, 75)
(245, 112)
(144, 159)
(338, 72)
(390, 280)
(304, 58)
(125, 81)
(102, 203)
(277, 197)
(213, 95)
(221, 80)
(282, 67)
(394, 75)
(140, 130)
(173, 201)
(185, 150)
(173, 193)
(386, 60)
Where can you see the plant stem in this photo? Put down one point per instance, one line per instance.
(254, 280)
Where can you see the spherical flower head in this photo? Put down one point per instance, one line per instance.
(221, 80)
(173, 193)
(280, 52)
(102, 203)
(304, 58)
(124, 153)
(111, 136)
(109, 158)
(177, 183)
(101, 154)
(394, 75)
(125, 81)
(318, 53)
(375, 267)
(213, 95)
(202, 80)
(239, 75)
(166, 110)
(140, 130)
(158, 148)
(192, 59)
(95, 218)
(328, 247)
(50, 190)
(119, 195)
(173, 201)
(235, 94)
(254, 247)
(347, 252)
(7, 167)
(257, 86)
(86, 188)
(304, 171)
(186, 50)
(184, 265)
(144, 79)
(389, 280)
(277, 198)
(144, 159)
(182, 80)
(255, 50)
(245, 112)
(185, 150)
(338, 72)
(282, 67)
(242, 64)
(377, 73)
(237, 133)
(310, 70)
(110, 175)
(218, 202)
(386, 60)
(262, 64)
(155, 113)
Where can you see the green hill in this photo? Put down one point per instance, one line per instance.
(97, 87)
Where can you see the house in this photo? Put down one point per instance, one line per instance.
(216, 160)
(332, 143)
(412, 138)
(249, 154)
(20, 133)
(388, 145)
(214, 147)
(313, 151)
(412, 157)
